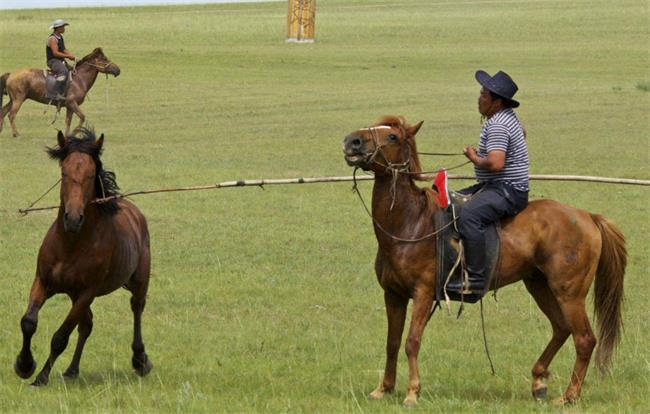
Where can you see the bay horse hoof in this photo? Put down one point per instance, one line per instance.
(70, 374)
(39, 382)
(142, 366)
(540, 393)
(24, 369)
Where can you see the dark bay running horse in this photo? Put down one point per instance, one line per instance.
(30, 84)
(90, 250)
(555, 249)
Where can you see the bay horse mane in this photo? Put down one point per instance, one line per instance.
(92, 55)
(84, 140)
(399, 122)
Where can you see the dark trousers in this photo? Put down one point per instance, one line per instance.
(490, 202)
(59, 67)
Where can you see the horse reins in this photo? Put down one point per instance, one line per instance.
(395, 169)
(355, 188)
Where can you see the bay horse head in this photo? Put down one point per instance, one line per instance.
(99, 61)
(385, 147)
(82, 176)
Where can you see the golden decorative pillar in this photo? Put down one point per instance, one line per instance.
(301, 21)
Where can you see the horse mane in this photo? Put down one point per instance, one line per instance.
(399, 122)
(84, 140)
(97, 52)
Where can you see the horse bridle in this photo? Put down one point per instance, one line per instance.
(101, 67)
(394, 168)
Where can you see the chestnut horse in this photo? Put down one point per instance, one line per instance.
(90, 250)
(555, 249)
(30, 84)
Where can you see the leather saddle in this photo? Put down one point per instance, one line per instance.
(451, 270)
(55, 85)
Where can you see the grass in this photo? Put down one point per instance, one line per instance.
(266, 301)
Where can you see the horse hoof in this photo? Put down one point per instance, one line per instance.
(142, 368)
(540, 393)
(22, 370)
(410, 402)
(376, 395)
(70, 374)
(39, 382)
(564, 401)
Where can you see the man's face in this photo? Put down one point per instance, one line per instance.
(484, 102)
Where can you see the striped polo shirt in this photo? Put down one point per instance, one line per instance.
(504, 132)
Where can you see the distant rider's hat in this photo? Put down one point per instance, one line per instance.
(501, 84)
(58, 23)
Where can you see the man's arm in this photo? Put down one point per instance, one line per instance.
(59, 53)
(494, 161)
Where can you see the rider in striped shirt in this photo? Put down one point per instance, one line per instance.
(501, 167)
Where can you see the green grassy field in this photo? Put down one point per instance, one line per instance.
(266, 301)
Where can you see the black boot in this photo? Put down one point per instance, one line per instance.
(475, 265)
(60, 89)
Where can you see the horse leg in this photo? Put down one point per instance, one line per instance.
(75, 108)
(422, 301)
(84, 330)
(3, 112)
(16, 104)
(584, 341)
(68, 120)
(538, 288)
(62, 335)
(396, 315)
(25, 364)
(140, 360)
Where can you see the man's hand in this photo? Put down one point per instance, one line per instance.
(494, 161)
(470, 153)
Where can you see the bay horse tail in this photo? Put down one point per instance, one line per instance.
(3, 86)
(608, 298)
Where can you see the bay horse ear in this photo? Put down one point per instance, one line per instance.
(61, 139)
(413, 129)
(100, 142)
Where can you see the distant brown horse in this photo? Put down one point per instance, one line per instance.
(30, 84)
(90, 250)
(555, 249)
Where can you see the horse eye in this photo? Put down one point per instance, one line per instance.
(392, 137)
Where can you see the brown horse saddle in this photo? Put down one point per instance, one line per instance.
(451, 271)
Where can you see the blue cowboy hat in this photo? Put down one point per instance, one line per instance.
(501, 84)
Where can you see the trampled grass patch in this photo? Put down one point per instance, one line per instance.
(266, 300)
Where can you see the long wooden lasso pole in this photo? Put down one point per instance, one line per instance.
(311, 180)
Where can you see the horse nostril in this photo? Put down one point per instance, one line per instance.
(65, 216)
(356, 143)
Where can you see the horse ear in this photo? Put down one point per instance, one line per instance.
(413, 129)
(61, 139)
(100, 142)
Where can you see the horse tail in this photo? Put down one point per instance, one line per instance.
(608, 298)
(3, 86)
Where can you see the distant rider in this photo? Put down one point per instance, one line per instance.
(56, 56)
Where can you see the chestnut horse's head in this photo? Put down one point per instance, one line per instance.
(388, 144)
(99, 61)
(82, 177)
